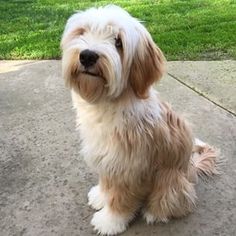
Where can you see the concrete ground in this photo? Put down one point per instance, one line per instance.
(43, 180)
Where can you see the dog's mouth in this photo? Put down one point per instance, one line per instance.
(91, 73)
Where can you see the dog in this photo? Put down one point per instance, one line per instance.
(144, 153)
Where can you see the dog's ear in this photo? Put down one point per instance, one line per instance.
(147, 66)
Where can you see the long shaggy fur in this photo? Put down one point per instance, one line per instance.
(144, 153)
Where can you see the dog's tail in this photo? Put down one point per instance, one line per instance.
(205, 160)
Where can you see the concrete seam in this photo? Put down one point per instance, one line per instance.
(201, 94)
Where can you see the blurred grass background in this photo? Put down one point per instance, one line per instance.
(184, 29)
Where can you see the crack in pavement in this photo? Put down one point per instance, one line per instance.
(202, 94)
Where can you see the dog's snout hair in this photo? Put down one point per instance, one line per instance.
(88, 58)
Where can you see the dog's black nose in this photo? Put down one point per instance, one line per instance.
(88, 58)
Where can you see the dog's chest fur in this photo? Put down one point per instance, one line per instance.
(113, 135)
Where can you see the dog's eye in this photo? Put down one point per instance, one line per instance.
(118, 43)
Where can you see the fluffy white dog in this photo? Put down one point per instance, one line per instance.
(142, 150)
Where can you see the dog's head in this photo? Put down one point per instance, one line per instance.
(106, 51)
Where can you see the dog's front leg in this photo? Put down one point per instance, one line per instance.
(120, 207)
(96, 197)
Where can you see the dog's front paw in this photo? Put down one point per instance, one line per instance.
(96, 198)
(107, 223)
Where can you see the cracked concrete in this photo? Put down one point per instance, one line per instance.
(43, 180)
(214, 79)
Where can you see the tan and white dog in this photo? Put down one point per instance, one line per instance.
(144, 153)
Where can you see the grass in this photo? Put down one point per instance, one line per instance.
(184, 29)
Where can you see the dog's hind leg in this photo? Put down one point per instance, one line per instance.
(173, 195)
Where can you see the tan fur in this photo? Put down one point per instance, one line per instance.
(165, 186)
(147, 68)
(205, 161)
(163, 183)
(91, 89)
(123, 197)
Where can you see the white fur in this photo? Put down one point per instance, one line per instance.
(107, 223)
(151, 219)
(198, 142)
(100, 153)
(96, 198)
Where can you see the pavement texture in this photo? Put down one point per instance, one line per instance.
(43, 180)
(216, 80)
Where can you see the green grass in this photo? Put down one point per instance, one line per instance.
(184, 29)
